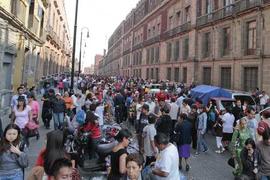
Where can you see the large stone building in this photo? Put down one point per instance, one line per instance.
(34, 42)
(219, 42)
(98, 58)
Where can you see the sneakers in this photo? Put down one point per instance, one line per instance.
(197, 153)
(205, 150)
(218, 151)
(187, 167)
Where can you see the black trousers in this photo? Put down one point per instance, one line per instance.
(149, 160)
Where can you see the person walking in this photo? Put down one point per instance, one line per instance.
(59, 107)
(47, 99)
(201, 130)
(184, 129)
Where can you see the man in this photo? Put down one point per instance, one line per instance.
(174, 111)
(14, 100)
(143, 121)
(238, 111)
(119, 104)
(164, 124)
(59, 107)
(263, 100)
(62, 170)
(166, 165)
(151, 104)
(47, 99)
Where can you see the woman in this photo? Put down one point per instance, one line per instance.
(22, 114)
(134, 164)
(33, 103)
(119, 154)
(184, 129)
(240, 135)
(69, 103)
(12, 157)
(201, 130)
(211, 113)
(250, 159)
(53, 151)
(192, 117)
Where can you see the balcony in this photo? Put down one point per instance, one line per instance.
(179, 29)
(152, 41)
(137, 46)
(229, 11)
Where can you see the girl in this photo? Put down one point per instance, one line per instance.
(119, 154)
(218, 132)
(12, 159)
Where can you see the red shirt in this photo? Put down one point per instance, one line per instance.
(161, 96)
(94, 128)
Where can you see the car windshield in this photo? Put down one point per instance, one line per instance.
(225, 103)
(244, 98)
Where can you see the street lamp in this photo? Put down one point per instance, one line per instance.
(80, 58)
(74, 46)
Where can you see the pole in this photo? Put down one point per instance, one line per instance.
(80, 57)
(74, 46)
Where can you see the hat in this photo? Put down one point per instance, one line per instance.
(57, 94)
(21, 98)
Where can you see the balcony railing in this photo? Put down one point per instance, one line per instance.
(152, 41)
(230, 10)
(179, 29)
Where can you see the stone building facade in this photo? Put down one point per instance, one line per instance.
(25, 37)
(218, 42)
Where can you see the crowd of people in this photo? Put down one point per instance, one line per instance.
(166, 125)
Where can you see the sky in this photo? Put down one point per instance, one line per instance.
(101, 17)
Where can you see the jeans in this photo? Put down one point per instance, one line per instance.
(18, 175)
(58, 120)
(201, 142)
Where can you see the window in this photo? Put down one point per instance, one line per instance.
(199, 8)
(157, 74)
(152, 55)
(178, 17)
(206, 45)
(157, 54)
(225, 77)
(40, 11)
(250, 78)
(251, 37)
(207, 75)
(186, 48)
(147, 73)
(170, 22)
(169, 50)
(184, 75)
(208, 7)
(187, 14)
(226, 34)
(169, 72)
(215, 5)
(176, 75)
(147, 56)
(176, 50)
(152, 73)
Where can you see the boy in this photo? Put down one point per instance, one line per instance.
(62, 169)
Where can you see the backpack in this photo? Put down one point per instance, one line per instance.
(80, 117)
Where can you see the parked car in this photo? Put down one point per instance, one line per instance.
(245, 97)
(154, 88)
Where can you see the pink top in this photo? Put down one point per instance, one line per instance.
(35, 108)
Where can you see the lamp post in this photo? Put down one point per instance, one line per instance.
(74, 46)
(80, 58)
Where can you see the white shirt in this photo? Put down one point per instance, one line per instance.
(149, 133)
(228, 120)
(179, 101)
(264, 99)
(151, 106)
(174, 111)
(100, 111)
(185, 110)
(138, 111)
(167, 161)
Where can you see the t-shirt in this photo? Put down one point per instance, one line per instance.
(252, 125)
(100, 112)
(149, 132)
(174, 111)
(228, 120)
(152, 106)
(265, 158)
(138, 111)
(167, 161)
(22, 117)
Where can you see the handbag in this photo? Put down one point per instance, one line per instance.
(231, 162)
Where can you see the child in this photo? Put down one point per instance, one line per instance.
(218, 132)
(12, 158)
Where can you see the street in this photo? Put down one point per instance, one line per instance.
(206, 166)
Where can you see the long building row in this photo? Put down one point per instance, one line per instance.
(34, 42)
(218, 42)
